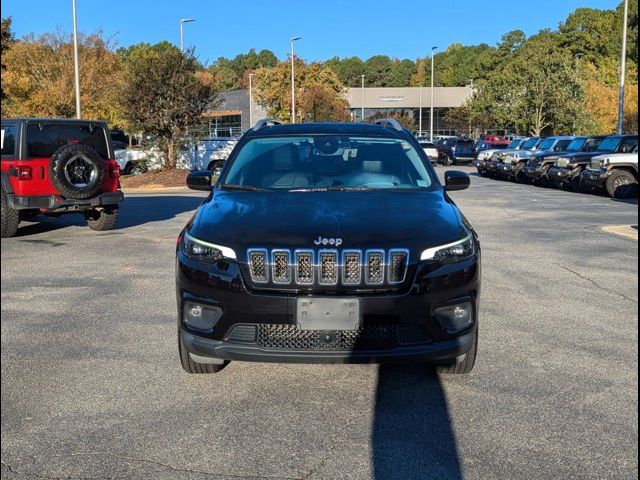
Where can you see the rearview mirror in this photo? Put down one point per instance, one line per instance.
(200, 180)
(454, 180)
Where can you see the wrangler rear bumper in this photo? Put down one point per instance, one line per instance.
(56, 203)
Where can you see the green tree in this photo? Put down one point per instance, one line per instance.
(348, 70)
(164, 93)
(377, 70)
(224, 77)
(537, 90)
(591, 33)
(401, 73)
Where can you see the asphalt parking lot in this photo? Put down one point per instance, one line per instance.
(92, 386)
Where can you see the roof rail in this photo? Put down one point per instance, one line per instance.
(266, 122)
(389, 122)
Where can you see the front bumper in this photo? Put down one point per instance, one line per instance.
(595, 178)
(532, 171)
(463, 158)
(56, 203)
(506, 169)
(247, 315)
(561, 175)
(444, 350)
(480, 164)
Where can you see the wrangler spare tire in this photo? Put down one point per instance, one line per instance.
(77, 171)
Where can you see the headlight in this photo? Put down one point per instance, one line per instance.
(451, 253)
(204, 251)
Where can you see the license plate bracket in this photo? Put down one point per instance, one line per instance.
(317, 313)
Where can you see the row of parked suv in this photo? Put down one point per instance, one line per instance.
(581, 163)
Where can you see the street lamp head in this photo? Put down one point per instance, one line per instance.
(434, 48)
(187, 20)
(295, 39)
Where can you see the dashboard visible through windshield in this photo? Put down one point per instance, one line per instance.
(327, 162)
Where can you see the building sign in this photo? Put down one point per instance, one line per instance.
(391, 98)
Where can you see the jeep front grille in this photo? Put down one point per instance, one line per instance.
(328, 267)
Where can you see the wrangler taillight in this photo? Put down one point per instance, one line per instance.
(25, 173)
(115, 171)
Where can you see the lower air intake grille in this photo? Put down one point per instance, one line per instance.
(369, 337)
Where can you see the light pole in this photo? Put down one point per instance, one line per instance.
(623, 67)
(433, 50)
(577, 56)
(251, 100)
(362, 98)
(182, 22)
(293, 80)
(76, 64)
(420, 114)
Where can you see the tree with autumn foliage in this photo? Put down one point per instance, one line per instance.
(39, 80)
(319, 92)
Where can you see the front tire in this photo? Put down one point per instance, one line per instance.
(465, 366)
(102, 220)
(192, 367)
(622, 184)
(10, 218)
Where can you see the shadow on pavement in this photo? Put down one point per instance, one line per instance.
(143, 209)
(412, 436)
(134, 211)
(630, 201)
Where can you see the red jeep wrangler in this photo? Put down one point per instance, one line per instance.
(56, 166)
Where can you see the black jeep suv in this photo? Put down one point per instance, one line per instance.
(328, 242)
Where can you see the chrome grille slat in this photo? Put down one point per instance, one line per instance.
(281, 266)
(397, 270)
(374, 268)
(258, 265)
(304, 267)
(351, 267)
(328, 267)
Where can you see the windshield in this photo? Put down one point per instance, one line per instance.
(547, 144)
(609, 144)
(514, 144)
(323, 162)
(529, 144)
(576, 145)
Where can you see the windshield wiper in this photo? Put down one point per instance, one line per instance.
(330, 189)
(247, 188)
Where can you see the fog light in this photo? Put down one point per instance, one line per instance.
(201, 317)
(455, 318)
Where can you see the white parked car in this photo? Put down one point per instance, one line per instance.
(430, 150)
(617, 173)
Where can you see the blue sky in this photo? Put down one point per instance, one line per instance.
(398, 28)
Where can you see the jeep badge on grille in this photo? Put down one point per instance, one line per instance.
(328, 241)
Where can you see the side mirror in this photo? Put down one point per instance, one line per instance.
(454, 180)
(200, 180)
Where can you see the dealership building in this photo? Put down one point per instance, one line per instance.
(235, 114)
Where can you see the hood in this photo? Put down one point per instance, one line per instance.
(581, 156)
(413, 220)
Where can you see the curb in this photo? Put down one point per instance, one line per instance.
(627, 231)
